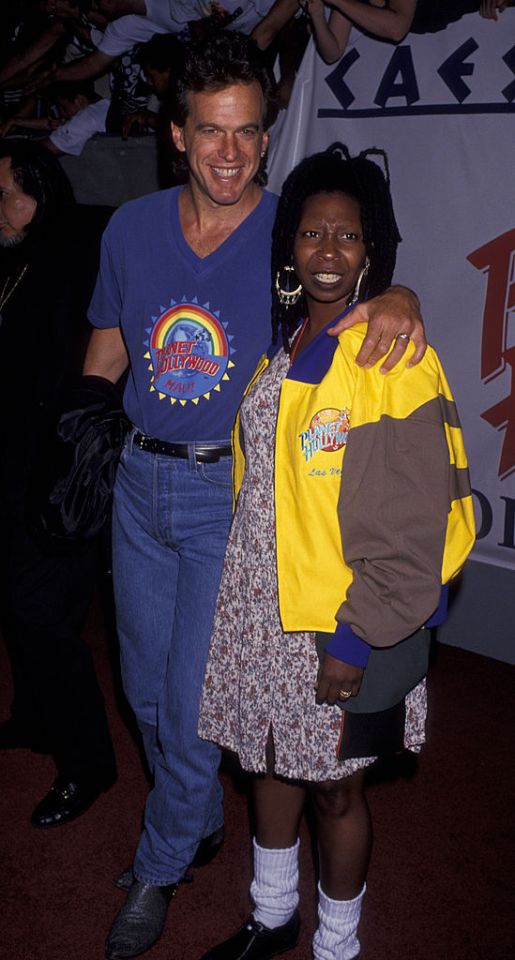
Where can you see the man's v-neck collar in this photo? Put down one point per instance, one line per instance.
(213, 259)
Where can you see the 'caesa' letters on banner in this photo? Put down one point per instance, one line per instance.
(399, 82)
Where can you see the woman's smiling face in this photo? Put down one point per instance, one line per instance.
(329, 252)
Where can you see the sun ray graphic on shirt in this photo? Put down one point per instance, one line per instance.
(189, 349)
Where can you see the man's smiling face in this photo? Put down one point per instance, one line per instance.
(224, 140)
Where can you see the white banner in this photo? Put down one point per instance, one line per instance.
(443, 107)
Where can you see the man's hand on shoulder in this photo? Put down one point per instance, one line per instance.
(394, 312)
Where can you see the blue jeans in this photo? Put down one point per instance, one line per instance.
(171, 520)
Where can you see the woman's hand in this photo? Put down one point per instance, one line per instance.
(335, 677)
(395, 311)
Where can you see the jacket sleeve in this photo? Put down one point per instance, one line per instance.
(404, 477)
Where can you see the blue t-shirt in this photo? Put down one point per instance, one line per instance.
(194, 327)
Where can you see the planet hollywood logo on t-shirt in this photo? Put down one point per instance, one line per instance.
(189, 352)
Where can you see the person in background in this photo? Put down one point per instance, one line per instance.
(75, 112)
(331, 23)
(48, 259)
(353, 510)
(181, 304)
(160, 58)
(60, 30)
(83, 115)
(131, 22)
(78, 113)
(390, 22)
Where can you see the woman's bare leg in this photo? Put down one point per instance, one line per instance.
(278, 807)
(344, 833)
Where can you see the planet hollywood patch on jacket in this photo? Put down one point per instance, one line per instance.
(327, 432)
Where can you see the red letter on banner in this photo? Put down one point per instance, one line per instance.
(497, 259)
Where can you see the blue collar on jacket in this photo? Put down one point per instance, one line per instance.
(315, 360)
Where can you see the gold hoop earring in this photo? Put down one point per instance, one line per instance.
(287, 297)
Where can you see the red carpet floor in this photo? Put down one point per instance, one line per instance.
(441, 880)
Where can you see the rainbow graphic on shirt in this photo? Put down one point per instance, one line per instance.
(189, 350)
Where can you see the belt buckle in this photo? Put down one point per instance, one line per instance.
(204, 455)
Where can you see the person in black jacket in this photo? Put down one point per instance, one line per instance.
(48, 260)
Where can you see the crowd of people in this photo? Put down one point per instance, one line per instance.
(295, 633)
(70, 69)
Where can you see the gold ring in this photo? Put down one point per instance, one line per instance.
(344, 694)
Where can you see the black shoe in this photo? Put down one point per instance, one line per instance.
(141, 920)
(206, 852)
(256, 942)
(68, 799)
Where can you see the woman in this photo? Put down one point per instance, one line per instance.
(338, 552)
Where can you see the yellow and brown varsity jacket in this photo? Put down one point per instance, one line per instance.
(372, 495)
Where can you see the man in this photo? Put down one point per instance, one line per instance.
(48, 260)
(183, 300)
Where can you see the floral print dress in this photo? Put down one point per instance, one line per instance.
(258, 679)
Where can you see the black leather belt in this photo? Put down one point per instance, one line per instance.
(204, 452)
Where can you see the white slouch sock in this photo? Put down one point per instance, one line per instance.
(274, 888)
(336, 937)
